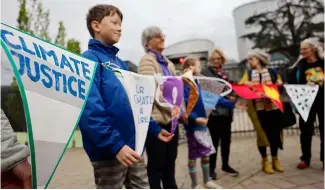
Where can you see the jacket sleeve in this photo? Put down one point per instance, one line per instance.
(12, 153)
(146, 67)
(225, 103)
(95, 119)
(154, 128)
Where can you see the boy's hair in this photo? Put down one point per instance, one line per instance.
(189, 61)
(98, 12)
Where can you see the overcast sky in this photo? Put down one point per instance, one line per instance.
(179, 19)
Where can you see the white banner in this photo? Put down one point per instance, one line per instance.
(302, 96)
(140, 90)
(211, 91)
(54, 85)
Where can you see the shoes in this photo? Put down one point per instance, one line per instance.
(276, 165)
(266, 167)
(213, 175)
(302, 165)
(198, 187)
(212, 185)
(230, 171)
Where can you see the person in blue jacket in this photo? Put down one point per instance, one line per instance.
(107, 124)
(198, 136)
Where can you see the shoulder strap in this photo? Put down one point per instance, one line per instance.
(273, 74)
(250, 74)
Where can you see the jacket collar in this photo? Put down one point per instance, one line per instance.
(99, 46)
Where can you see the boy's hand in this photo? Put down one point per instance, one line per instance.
(126, 156)
(165, 136)
(241, 106)
(24, 173)
(202, 121)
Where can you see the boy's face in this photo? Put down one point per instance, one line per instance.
(109, 29)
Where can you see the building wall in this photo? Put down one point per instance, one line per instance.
(241, 14)
(189, 46)
(198, 47)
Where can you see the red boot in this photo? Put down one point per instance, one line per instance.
(302, 165)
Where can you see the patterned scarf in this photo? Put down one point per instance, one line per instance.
(263, 77)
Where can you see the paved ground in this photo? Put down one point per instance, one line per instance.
(75, 170)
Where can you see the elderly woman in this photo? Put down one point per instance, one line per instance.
(161, 156)
(309, 69)
(263, 111)
(220, 118)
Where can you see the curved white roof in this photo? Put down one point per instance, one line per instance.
(189, 46)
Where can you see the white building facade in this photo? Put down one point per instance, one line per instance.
(199, 47)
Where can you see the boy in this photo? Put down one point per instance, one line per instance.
(107, 124)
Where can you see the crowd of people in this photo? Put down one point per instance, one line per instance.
(109, 138)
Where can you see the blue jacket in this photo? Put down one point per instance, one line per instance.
(107, 122)
(199, 110)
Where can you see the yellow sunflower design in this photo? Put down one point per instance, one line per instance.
(315, 75)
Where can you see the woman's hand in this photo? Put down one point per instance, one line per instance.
(249, 84)
(165, 136)
(241, 106)
(176, 112)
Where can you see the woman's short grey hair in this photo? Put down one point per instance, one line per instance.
(148, 34)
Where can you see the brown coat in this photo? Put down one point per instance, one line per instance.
(150, 66)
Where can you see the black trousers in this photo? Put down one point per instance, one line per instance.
(161, 161)
(271, 125)
(220, 130)
(307, 129)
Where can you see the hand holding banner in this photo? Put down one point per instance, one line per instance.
(259, 91)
